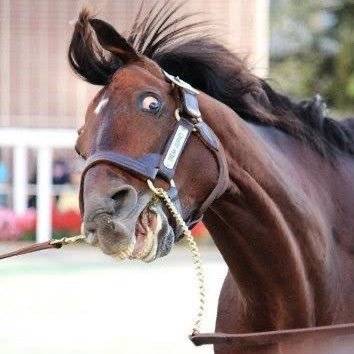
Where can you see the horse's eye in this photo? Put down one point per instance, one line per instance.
(151, 104)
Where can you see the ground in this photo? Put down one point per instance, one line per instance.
(76, 300)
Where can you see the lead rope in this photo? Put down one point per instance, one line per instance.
(162, 194)
(67, 240)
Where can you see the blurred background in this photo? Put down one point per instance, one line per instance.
(77, 300)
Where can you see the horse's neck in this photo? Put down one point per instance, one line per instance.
(273, 226)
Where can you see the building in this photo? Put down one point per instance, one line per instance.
(37, 88)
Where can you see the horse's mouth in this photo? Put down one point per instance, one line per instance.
(150, 238)
(147, 231)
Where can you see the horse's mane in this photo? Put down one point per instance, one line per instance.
(174, 43)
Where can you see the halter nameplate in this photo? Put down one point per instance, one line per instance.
(176, 147)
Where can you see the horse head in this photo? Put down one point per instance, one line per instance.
(133, 132)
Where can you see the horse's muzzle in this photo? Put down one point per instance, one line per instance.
(110, 217)
(122, 221)
(113, 237)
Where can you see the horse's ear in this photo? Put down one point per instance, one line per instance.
(112, 41)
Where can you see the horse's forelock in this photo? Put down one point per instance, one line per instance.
(86, 56)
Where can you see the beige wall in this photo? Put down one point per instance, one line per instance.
(37, 89)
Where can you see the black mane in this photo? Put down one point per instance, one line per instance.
(172, 42)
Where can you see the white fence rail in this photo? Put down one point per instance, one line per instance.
(44, 141)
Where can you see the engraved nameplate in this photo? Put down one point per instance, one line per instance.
(176, 147)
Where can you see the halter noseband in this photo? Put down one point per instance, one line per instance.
(151, 166)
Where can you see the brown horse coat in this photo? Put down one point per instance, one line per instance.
(284, 224)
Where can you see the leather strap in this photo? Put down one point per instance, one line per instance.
(145, 166)
(190, 104)
(219, 188)
(32, 248)
(271, 337)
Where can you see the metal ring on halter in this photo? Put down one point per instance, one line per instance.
(178, 117)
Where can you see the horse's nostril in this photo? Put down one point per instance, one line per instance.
(125, 200)
(120, 195)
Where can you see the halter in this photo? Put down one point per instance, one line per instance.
(152, 166)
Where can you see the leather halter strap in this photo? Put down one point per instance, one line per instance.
(145, 167)
(164, 165)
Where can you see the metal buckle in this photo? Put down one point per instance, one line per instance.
(179, 82)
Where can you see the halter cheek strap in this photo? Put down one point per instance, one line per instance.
(152, 166)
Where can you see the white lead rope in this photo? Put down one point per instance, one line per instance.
(161, 194)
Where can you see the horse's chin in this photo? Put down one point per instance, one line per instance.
(153, 237)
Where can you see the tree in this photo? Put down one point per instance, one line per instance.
(312, 49)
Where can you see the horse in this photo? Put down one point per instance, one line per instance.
(273, 178)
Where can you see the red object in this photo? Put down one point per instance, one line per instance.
(27, 221)
(199, 230)
(9, 229)
(66, 221)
